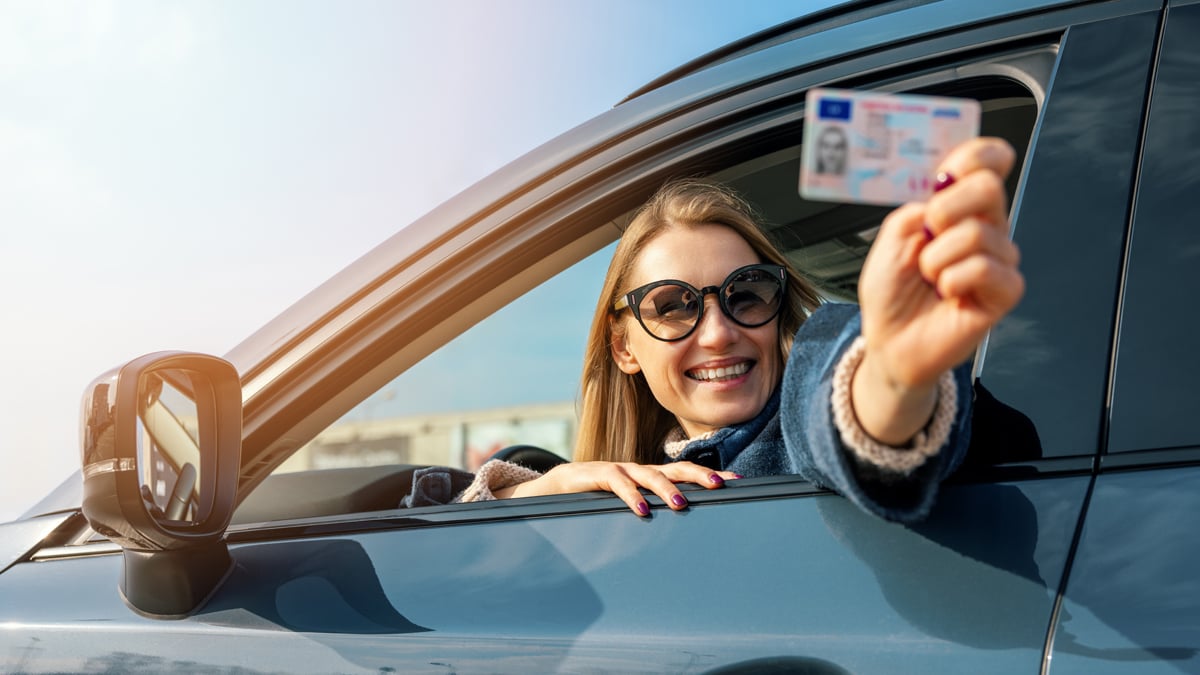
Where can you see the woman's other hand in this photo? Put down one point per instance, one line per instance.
(939, 275)
(623, 479)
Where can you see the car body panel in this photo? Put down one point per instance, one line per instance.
(606, 591)
(20, 537)
(1132, 603)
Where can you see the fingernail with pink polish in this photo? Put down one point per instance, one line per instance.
(678, 500)
(643, 508)
(716, 480)
(943, 181)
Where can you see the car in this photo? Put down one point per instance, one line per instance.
(242, 513)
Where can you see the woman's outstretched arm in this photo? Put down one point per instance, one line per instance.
(939, 275)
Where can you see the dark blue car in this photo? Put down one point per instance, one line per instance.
(242, 514)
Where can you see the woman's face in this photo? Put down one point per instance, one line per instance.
(684, 375)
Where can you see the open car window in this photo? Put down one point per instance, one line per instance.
(514, 377)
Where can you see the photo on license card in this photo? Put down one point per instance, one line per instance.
(873, 148)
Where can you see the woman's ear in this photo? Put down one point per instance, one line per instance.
(619, 347)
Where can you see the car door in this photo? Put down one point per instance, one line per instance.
(1133, 598)
(768, 572)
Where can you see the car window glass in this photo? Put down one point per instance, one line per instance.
(1049, 359)
(1154, 390)
(510, 379)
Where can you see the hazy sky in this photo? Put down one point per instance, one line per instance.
(172, 175)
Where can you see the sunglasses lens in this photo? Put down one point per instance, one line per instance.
(753, 297)
(669, 311)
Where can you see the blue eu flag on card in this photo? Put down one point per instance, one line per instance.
(834, 109)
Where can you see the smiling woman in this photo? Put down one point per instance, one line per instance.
(672, 394)
(697, 231)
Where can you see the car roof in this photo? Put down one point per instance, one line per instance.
(836, 16)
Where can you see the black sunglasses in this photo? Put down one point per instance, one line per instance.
(670, 309)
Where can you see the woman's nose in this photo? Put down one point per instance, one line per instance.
(715, 329)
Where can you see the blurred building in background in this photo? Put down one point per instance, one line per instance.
(463, 439)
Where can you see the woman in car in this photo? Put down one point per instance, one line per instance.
(873, 401)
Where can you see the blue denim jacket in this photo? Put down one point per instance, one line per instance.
(795, 434)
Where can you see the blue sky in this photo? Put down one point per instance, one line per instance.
(173, 175)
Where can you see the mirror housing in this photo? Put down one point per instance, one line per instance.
(161, 448)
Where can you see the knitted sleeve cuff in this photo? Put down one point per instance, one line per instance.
(927, 443)
(494, 475)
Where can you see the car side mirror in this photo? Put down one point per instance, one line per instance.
(161, 444)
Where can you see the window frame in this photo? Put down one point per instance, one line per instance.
(1147, 424)
(380, 331)
(782, 124)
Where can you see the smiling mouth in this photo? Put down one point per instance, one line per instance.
(720, 374)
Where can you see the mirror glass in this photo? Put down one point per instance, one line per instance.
(169, 445)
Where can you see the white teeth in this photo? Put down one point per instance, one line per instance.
(711, 374)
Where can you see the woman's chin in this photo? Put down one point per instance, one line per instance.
(718, 417)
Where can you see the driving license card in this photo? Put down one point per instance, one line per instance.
(874, 148)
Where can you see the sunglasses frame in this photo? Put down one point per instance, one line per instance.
(633, 299)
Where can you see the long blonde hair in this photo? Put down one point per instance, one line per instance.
(620, 420)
